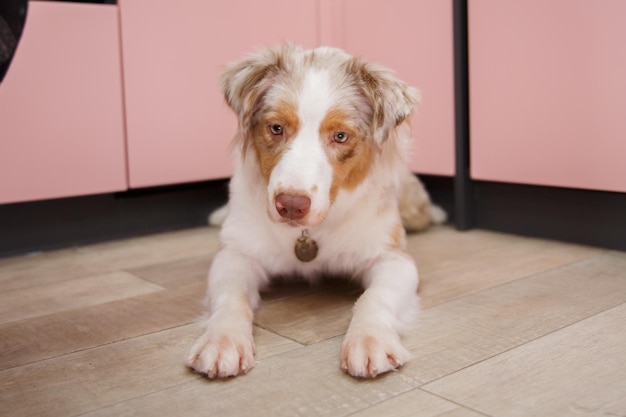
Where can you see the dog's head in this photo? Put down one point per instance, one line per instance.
(315, 120)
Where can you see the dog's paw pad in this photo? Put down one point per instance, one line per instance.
(367, 356)
(221, 357)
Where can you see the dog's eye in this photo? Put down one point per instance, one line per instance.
(340, 137)
(275, 129)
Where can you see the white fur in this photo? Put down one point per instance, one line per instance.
(217, 217)
(304, 169)
(353, 232)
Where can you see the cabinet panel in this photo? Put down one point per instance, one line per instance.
(548, 92)
(178, 127)
(61, 119)
(414, 38)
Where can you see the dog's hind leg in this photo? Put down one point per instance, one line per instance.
(416, 209)
(372, 343)
(218, 216)
(227, 347)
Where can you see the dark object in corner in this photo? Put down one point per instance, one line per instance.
(12, 21)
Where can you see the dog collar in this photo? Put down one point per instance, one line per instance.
(306, 247)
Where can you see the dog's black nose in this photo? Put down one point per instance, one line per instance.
(292, 206)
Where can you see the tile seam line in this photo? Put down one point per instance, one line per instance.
(424, 387)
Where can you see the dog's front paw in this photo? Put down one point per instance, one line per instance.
(222, 355)
(368, 354)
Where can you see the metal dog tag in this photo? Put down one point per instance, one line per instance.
(306, 248)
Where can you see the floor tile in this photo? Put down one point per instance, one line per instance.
(101, 376)
(454, 264)
(578, 370)
(302, 382)
(321, 312)
(70, 295)
(38, 338)
(68, 264)
(534, 325)
(460, 333)
(416, 403)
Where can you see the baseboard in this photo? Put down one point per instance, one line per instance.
(60, 223)
(595, 218)
(580, 216)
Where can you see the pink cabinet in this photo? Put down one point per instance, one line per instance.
(61, 118)
(178, 127)
(414, 38)
(103, 98)
(548, 92)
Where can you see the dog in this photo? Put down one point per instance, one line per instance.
(320, 187)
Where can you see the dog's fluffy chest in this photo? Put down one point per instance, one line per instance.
(347, 240)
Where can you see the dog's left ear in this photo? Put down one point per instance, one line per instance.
(392, 101)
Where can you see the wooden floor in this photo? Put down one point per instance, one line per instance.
(510, 326)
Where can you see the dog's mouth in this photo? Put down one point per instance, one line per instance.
(306, 222)
(292, 223)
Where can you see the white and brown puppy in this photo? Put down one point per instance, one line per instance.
(319, 185)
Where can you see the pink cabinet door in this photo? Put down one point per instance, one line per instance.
(548, 92)
(414, 38)
(61, 119)
(178, 127)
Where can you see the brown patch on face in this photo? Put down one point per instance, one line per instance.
(270, 147)
(351, 160)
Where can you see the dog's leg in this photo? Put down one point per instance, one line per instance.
(416, 209)
(372, 344)
(227, 346)
(218, 216)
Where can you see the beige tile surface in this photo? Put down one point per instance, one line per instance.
(472, 329)
(578, 370)
(34, 339)
(305, 381)
(416, 403)
(176, 273)
(100, 376)
(535, 326)
(68, 295)
(454, 264)
(310, 315)
(67, 264)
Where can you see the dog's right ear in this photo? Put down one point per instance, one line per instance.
(245, 82)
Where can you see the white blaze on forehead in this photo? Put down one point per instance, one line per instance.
(315, 97)
(304, 168)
